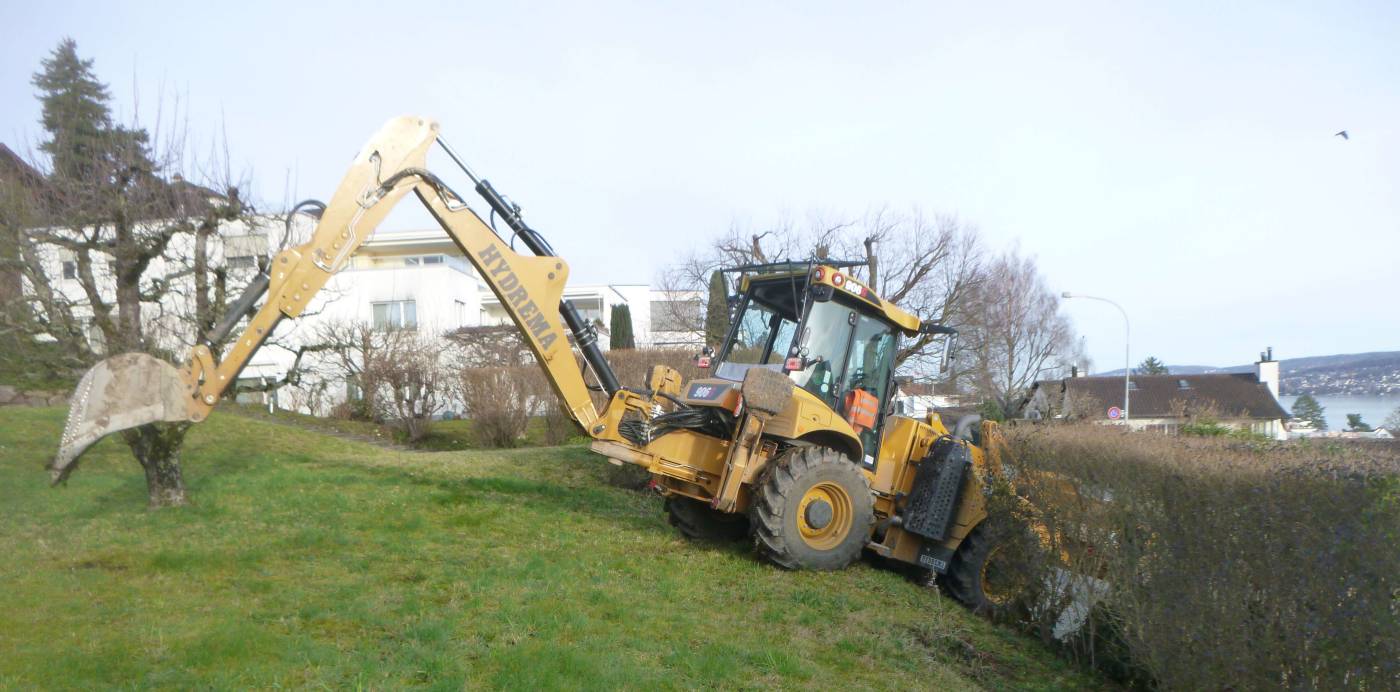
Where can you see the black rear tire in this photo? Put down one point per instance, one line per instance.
(697, 520)
(812, 509)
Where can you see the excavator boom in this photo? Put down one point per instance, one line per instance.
(131, 390)
(803, 462)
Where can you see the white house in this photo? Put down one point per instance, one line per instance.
(421, 280)
(918, 399)
(1162, 403)
(398, 280)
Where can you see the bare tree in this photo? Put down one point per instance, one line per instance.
(1016, 332)
(410, 380)
(120, 252)
(486, 346)
(394, 376)
(344, 349)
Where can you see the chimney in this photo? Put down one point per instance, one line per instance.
(1267, 371)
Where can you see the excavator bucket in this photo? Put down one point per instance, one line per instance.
(121, 392)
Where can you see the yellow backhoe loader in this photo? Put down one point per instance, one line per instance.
(790, 442)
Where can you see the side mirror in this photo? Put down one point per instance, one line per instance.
(945, 361)
(950, 340)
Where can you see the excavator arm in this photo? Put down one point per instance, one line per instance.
(130, 390)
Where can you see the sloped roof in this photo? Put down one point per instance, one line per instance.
(14, 168)
(157, 197)
(1158, 396)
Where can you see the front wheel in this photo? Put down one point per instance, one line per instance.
(812, 509)
(984, 576)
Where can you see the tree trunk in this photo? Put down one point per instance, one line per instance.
(157, 447)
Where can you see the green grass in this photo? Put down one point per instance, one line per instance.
(444, 436)
(311, 561)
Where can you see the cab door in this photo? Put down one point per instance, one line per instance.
(868, 378)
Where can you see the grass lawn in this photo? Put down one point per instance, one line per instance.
(443, 436)
(309, 560)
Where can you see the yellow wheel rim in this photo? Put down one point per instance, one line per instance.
(825, 515)
(1000, 584)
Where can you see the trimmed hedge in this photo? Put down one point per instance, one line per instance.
(1216, 563)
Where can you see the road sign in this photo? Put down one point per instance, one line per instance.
(1114, 413)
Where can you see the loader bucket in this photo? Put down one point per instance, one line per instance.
(121, 392)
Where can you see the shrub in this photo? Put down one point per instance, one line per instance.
(557, 426)
(410, 381)
(620, 335)
(502, 399)
(498, 401)
(1223, 563)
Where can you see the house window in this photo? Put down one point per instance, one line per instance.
(239, 263)
(423, 259)
(459, 309)
(397, 314)
(590, 309)
(70, 269)
(677, 316)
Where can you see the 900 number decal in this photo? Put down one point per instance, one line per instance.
(705, 391)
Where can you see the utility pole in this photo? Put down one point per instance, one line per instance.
(1127, 349)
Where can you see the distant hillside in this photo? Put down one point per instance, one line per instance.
(1347, 373)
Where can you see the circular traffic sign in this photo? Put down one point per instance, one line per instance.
(1114, 413)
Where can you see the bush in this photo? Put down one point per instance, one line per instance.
(1224, 563)
(409, 380)
(502, 399)
(633, 366)
(498, 401)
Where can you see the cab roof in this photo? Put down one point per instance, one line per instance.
(830, 273)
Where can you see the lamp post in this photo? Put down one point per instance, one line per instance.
(1127, 358)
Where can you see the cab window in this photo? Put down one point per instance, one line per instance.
(826, 335)
(754, 335)
(868, 368)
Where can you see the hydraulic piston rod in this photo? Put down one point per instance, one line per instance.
(585, 336)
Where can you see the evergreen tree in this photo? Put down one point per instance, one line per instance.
(621, 332)
(1306, 408)
(717, 311)
(1355, 424)
(1151, 366)
(991, 410)
(75, 112)
(105, 202)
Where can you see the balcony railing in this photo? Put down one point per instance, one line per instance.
(456, 263)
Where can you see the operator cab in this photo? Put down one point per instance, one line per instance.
(827, 331)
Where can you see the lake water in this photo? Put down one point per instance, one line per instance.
(1373, 409)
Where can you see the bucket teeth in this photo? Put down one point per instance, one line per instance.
(121, 392)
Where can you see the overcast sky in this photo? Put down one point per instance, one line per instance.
(1180, 161)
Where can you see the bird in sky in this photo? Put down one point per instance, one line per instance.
(1343, 134)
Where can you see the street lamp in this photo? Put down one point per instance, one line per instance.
(1127, 340)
